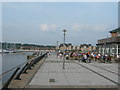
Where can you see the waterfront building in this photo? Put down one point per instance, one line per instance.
(87, 48)
(111, 45)
(82, 47)
(74, 47)
(78, 48)
(68, 46)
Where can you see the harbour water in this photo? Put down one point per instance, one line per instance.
(9, 61)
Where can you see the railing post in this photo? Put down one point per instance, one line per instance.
(32, 64)
(18, 75)
(28, 66)
(9, 80)
(25, 70)
(36, 60)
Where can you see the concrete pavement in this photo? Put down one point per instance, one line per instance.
(51, 74)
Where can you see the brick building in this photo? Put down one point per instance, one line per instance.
(82, 47)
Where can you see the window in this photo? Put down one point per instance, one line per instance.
(119, 49)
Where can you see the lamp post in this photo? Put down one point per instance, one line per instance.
(64, 31)
(57, 48)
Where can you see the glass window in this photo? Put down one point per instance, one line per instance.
(119, 49)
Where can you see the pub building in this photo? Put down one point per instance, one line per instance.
(111, 45)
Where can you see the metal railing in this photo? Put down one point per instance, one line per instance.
(26, 65)
(109, 40)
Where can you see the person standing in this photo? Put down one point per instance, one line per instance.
(85, 58)
(109, 58)
(88, 58)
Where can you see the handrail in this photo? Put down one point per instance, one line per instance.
(10, 79)
(18, 66)
(27, 66)
(18, 76)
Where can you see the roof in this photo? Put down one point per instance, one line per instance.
(115, 30)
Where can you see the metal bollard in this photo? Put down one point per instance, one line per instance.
(9, 80)
(18, 75)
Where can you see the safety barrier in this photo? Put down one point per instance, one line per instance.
(27, 65)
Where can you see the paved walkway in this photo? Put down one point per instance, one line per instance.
(75, 74)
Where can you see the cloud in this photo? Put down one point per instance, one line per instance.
(76, 27)
(43, 27)
(98, 28)
(48, 27)
(53, 27)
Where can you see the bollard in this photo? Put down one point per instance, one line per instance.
(9, 80)
(18, 75)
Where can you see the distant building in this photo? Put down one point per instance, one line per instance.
(110, 45)
(87, 48)
(27, 48)
(82, 47)
(74, 47)
(68, 46)
(6, 45)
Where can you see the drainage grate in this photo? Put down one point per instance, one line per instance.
(51, 80)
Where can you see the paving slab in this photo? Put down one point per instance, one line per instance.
(73, 75)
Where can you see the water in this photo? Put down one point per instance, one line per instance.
(9, 61)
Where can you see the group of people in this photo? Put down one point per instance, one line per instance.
(85, 57)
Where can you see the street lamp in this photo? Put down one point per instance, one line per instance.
(57, 48)
(64, 31)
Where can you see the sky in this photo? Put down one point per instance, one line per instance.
(42, 22)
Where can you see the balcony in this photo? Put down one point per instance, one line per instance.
(109, 40)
